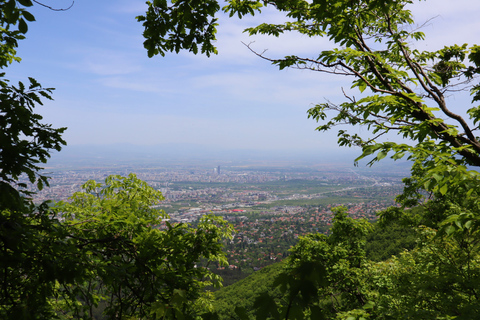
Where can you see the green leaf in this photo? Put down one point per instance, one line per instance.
(468, 224)
(443, 189)
(381, 155)
(28, 16)
(22, 26)
(369, 305)
(26, 3)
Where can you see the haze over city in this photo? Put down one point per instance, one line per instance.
(111, 96)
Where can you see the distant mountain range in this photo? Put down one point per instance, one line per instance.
(197, 154)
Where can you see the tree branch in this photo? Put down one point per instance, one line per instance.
(54, 9)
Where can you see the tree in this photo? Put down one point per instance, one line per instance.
(24, 140)
(129, 260)
(103, 251)
(402, 90)
(324, 273)
(30, 237)
(407, 87)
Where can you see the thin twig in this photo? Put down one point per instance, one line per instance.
(54, 9)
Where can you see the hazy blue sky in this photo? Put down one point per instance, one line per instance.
(108, 91)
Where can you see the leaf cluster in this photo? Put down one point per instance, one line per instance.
(25, 141)
(136, 268)
(13, 26)
(107, 251)
(179, 25)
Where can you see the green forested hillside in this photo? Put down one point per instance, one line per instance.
(244, 292)
(383, 242)
(386, 241)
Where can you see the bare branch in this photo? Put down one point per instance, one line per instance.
(54, 9)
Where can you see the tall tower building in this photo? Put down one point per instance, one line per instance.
(218, 170)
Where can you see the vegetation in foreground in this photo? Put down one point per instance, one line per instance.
(382, 243)
(104, 247)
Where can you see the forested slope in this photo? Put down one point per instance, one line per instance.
(244, 292)
(383, 242)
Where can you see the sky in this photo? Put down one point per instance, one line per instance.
(108, 92)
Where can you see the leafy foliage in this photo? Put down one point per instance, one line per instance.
(437, 280)
(179, 25)
(243, 293)
(13, 26)
(106, 250)
(403, 91)
(32, 249)
(126, 261)
(389, 239)
(33, 256)
(102, 248)
(323, 273)
(25, 141)
(408, 87)
(330, 277)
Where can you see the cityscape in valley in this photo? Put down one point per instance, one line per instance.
(190, 191)
(239, 160)
(270, 204)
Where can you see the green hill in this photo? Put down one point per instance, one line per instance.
(244, 292)
(383, 242)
